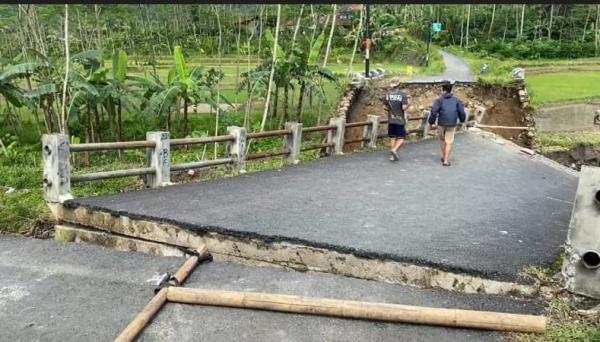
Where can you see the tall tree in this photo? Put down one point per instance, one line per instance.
(64, 124)
(550, 24)
(328, 49)
(492, 20)
(468, 23)
(356, 38)
(264, 118)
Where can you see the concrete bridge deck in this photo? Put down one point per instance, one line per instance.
(494, 212)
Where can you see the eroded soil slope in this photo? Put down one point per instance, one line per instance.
(503, 108)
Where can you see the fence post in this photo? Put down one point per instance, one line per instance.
(236, 149)
(336, 136)
(159, 159)
(57, 175)
(371, 131)
(293, 141)
(425, 123)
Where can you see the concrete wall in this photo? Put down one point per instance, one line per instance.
(566, 117)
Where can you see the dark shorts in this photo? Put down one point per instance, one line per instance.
(396, 131)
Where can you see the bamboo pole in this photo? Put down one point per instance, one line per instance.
(503, 127)
(156, 303)
(360, 310)
(143, 318)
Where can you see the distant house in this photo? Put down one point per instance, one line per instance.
(347, 13)
(250, 23)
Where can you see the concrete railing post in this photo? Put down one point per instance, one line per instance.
(469, 112)
(159, 159)
(425, 123)
(57, 174)
(236, 149)
(293, 141)
(371, 131)
(336, 136)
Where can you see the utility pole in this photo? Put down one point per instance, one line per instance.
(367, 41)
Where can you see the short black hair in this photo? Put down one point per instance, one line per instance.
(447, 87)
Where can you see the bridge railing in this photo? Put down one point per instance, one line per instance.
(57, 177)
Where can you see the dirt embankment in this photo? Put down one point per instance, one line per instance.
(581, 154)
(501, 103)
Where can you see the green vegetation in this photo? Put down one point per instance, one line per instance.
(564, 325)
(545, 274)
(567, 141)
(563, 86)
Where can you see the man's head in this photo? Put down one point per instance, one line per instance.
(447, 87)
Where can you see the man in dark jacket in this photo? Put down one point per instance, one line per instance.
(396, 103)
(448, 110)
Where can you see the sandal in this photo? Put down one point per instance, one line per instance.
(443, 164)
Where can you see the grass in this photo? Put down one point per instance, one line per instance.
(564, 322)
(563, 86)
(545, 274)
(564, 325)
(566, 141)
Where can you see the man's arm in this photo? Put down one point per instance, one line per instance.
(435, 110)
(462, 116)
(406, 102)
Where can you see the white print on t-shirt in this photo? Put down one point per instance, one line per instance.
(393, 97)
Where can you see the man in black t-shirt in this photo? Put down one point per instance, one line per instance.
(396, 103)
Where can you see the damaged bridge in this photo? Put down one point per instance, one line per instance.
(471, 228)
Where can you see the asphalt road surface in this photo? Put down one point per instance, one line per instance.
(456, 69)
(56, 291)
(492, 213)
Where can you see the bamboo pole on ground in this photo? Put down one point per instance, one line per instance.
(504, 127)
(158, 301)
(360, 310)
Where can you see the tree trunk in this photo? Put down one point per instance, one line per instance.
(462, 27)
(597, 29)
(300, 101)
(330, 36)
(285, 117)
(88, 124)
(358, 31)
(522, 20)
(119, 120)
(185, 117)
(587, 18)
(237, 64)
(492, 21)
(63, 122)
(220, 51)
(264, 118)
(505, 28)
(468, 22)
(260, 30)
(297, 27)
(275, 105)
(168, 123)
(98, 127)
(550, 25)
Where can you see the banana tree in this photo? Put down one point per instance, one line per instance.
(117, 93)
(189, 85)
(308, 73)
(11, 73)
